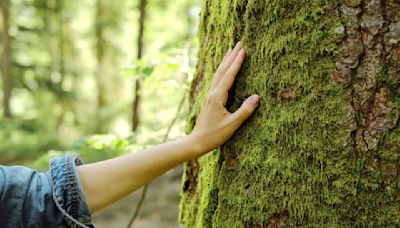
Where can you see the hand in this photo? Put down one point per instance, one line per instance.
(215, 124)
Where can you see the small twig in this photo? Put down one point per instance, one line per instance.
(144, 191)
(138, 206)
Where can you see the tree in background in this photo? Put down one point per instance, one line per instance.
(139, 56)
(6, 60)
(101, 77)
(45, 66)
(68, 62)
(324, 146)
(107, 26)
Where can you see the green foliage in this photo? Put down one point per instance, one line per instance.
(91, 149)
(43, 162)
(139, 70)
(20, 141)
(169, 62)
(100, 147)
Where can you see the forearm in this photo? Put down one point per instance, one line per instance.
(108, 181)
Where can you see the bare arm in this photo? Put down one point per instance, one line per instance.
(108, 181)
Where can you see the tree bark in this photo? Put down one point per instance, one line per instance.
(138, 83)
(323, 148)
(6, 60)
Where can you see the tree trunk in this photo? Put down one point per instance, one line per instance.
(138, 83)
(101, 74)
(323, 148)
(6, 60)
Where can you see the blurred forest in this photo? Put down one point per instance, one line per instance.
(98, 77)
(83, 77)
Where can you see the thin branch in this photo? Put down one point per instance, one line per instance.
(144, 191)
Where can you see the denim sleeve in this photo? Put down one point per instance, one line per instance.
(52, 199)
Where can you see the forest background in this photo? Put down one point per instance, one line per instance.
(82, 77)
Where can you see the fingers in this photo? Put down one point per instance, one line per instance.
(230, 75)
(217, 75)
(225, 64)
(228, 53)
(245, 111)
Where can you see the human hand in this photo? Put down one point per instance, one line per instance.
(215, 124)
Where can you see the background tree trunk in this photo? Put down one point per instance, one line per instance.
(323, 148)
(138, 83)
(6, 60)
(101, 77)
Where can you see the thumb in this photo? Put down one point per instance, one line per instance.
(245, 110)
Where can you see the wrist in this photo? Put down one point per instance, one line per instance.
(196, 143)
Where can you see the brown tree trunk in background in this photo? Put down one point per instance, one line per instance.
(6, 60)
(323, 147)
(100, 55)
(137, 96)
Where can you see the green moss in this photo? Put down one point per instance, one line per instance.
(295, 158)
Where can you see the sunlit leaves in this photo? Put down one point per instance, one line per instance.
(100, 147)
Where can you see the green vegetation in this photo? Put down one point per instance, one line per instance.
(92, 149)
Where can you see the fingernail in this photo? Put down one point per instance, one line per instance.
(239, 44)
(255, 99)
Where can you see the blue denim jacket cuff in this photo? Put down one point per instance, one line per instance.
(67, 191)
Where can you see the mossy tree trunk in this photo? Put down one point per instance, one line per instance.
(323, 148)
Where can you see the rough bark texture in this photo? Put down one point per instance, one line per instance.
(323, 148)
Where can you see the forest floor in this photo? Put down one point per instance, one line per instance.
(159, 210)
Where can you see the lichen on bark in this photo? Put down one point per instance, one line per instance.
(323, 148)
